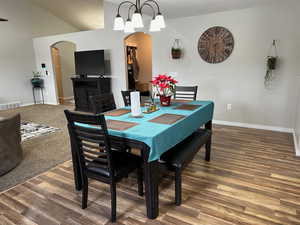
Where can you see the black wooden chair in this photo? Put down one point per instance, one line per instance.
(96, 158)
(126, 97)
(103, 103)
(177, 158)
(186, 92)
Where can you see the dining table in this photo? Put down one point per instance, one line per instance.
(154, 134)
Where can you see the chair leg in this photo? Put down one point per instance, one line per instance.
(140, 181)
(178, 187)
(85, 191)
(113, 202)
(208, 150)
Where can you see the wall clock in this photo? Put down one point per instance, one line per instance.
(216, 45)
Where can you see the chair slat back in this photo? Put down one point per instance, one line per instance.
(186, 92)
(91, 143)
(103, 103)
(126, 98)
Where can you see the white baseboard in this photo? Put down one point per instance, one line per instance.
(27, 104)
(68, 98)
(51, 103)
(39, 103)
(255, 126)
(297, 145)
(263, 127)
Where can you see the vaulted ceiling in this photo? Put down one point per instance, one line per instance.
(89, 15)
(82, 14)
(184, 8)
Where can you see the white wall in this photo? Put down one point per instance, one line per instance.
(67, 61)
(297, 121)
(88, 40)
(17, 59)
(239, 80)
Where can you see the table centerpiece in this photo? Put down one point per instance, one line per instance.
(165, 88)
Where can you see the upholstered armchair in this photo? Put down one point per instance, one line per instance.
(10, 143)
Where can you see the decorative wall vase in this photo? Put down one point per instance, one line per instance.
(176, 50)
(176, 53)
(271, 64)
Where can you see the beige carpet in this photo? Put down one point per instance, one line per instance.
(43, 152)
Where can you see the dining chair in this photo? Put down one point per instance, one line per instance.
(127, 101)
(102, 103)
(97, 160)
(186, 92)
(126, 97)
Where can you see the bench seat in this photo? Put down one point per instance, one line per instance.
(177, 158)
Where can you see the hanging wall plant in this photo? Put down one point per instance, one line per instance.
(271, 65)
(176, 50)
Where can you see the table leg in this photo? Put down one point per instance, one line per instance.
(208, 150)
(208, 126)
(151, 188)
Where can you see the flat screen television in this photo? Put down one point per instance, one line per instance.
(90, 63)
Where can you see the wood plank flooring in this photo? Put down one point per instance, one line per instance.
(253, 178)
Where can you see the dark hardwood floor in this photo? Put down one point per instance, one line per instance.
(253, 178)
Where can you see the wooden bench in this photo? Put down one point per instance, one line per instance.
(177, 158)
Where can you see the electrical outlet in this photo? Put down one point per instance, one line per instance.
(229, 107)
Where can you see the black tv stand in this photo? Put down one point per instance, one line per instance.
(85, 87)
(91, 76)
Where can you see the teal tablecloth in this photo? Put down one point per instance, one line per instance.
(160, 137)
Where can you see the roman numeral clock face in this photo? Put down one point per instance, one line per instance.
(216, 45)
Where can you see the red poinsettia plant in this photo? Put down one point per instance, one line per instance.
(164, 85)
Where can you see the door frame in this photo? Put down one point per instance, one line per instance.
(53, 67)
(125, 54)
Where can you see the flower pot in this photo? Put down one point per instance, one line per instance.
(176, 53)
(165, 100)
(37, 82)
(272, 63)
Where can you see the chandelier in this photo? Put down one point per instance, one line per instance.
(136, 21)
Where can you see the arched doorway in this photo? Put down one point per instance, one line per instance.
(138, 61)
(64, 67)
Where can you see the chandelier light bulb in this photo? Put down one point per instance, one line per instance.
(154, 27)
(137, 20)
(160, 20)
(129, 28)
(135, 16)
(119, 23)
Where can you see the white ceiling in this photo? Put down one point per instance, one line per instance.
(89, 15)
(184, 8)
(82, 14)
